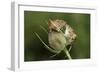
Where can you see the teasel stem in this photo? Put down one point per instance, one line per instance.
(44, 29)
(67, 54)
(70, 48)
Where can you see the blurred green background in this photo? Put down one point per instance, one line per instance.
(34, 50)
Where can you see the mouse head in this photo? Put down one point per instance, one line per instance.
(56, 24)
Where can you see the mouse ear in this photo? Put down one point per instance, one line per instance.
(51, 24)
(51, 21)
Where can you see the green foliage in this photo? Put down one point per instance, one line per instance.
(36, 51)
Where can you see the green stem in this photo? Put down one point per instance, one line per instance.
(44, 29)
(68, 54)
(70, 48)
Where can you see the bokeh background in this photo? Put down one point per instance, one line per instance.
(34, 50)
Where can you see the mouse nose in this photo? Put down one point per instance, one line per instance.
(74, 37)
